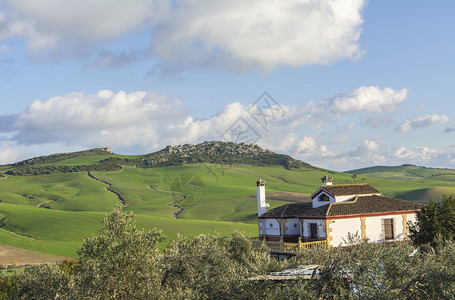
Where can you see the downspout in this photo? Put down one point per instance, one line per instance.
(279, 224)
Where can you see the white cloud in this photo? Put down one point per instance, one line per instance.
(368, 151)
(86, 20)
(370, 100)
(234, 35)
(106, 117)
(149, 121)
(422, 121)
(71, 27)
(143, 122)
(420, 153)
(264, 34)
(9, 152)
(442, 157)
(363, 99)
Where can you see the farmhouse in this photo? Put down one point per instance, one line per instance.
(335, 211)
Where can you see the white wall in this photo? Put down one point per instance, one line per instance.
(270, 230)
(412, 218)
(317, 203)
(374, 228)
(344, 198)
(342, 227)
(293, 227)
(306, 228)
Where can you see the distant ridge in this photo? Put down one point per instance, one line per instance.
(403, 167)
(213, 152)
(406, 172)
(61, 156)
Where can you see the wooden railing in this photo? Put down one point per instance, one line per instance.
(281, 246)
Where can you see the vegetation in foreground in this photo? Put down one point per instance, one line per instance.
(123, 262)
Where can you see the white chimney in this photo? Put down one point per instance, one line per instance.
(262, 206)
(326, 180)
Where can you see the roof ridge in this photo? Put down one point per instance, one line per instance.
(285, 208)
(341, 184)
(328, 209)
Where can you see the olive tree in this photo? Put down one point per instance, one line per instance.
(122, 262)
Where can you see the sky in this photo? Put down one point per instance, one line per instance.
(338, 84)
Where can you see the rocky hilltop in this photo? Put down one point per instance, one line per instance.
(220, 153)
(213, 152)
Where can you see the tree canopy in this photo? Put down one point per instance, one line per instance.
(435, 220)
(124, 262)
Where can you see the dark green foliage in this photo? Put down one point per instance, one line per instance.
(436, 219)
(46, 169)
(122, 259)
(8, 286)
(58, 157)
(122, 262)
(211, 267)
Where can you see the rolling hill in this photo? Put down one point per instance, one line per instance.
(427, 183)
(50, 203)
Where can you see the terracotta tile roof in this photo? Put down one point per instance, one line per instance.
(362, 205)
(350, 189)
(371, 205)
(296, 210)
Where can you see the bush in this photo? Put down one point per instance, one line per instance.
(123, 262)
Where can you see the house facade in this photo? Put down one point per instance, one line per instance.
(336, 211)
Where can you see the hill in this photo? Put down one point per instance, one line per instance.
(50, 203)
(433, 182)
(102, 159)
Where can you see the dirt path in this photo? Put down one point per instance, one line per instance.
(175, 204)
(14, 257)
(44, 203)
(109, 188)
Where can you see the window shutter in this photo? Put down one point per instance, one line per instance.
(395, 232)
(389, 229)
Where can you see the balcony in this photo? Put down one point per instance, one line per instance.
(281, 246)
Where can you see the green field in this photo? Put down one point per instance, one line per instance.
(52, 213)
(410, 182)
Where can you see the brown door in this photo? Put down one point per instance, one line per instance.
(314, 231)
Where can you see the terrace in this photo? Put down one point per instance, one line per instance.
(286, 247)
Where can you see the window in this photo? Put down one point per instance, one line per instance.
(324, 198)
(388, 229)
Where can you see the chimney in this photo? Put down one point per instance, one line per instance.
(262, 206)
(326, 180)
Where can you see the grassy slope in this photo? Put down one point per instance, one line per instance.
(88, 160)
(410, 182)
(217, 199)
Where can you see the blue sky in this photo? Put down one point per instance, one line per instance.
(347, 84)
